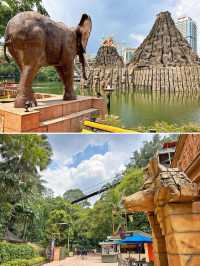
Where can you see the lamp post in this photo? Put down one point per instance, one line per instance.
(57, 236)
(66, 225)
(108, 90)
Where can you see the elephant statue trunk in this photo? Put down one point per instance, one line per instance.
(81, 53)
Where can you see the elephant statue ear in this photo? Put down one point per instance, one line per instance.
(85, 27)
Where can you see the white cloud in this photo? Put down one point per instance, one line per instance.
(139, 38)
(98, 169)
(187, 8)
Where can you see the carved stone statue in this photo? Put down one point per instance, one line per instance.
(35, 41)
(171, 201)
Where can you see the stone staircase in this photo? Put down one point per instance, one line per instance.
(51, 115)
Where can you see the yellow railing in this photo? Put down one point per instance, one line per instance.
(103, 128)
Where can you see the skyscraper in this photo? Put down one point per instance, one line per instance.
(128, 54)
(189, 30)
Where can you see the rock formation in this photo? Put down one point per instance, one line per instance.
(164, 62)
(108, 68)
(172, 202)
(164, 46)
(108, 56)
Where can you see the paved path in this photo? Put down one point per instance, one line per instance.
(77, 261)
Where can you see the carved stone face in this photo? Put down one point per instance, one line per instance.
(140, 201)
(171, 185)
(144, 199)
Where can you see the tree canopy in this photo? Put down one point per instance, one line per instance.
(9, 8)
(30, 210)
(74, 194)
(22, 159)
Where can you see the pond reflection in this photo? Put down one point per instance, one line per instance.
(146, 108)
(141, 108)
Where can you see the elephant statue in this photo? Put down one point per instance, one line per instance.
(34, 41)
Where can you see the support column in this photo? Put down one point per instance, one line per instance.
(159, 245)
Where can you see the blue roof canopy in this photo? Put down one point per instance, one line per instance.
(136, 239)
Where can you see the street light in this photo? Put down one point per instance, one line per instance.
(58, 234)
(108, 90)
(67, 225)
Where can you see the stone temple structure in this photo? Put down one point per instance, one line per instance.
(164, 46)
(163, 62)
(172, 202)
(108, 68)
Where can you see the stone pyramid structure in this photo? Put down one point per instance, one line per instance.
(108, 56)
(164, 62)
(108, 68)
(164, 46)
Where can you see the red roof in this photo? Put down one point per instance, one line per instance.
(167, 145)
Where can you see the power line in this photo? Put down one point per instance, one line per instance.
(95, 193)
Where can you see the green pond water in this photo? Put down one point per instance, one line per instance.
(144, 109)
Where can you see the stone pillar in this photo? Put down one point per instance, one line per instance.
(159, 246)
(182, 233)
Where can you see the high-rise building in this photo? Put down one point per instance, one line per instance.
(128, 54)
(188, 28)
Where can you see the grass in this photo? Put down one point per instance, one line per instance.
(166, 127)
(156, 127)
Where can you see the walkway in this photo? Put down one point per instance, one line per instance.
(77, 261)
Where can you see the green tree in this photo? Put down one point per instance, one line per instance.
(23, 157)
(59, 224)
(74, 194)
(9, 8)
(141, 158)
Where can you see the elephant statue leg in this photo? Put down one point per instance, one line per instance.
(25, 93)
(66, 74)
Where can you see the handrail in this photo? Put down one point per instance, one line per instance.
(106, 128)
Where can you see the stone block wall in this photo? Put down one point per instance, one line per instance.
(182, 233)
(168, 79)
(100, 77)
(162, 79)
(187, 156)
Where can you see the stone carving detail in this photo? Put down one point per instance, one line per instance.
(172, 202)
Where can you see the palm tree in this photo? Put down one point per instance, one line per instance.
(22, 159)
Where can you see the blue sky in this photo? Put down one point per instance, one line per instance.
(127, 21)
(88, 153)
(83, 161)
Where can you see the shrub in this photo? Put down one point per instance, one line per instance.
(23, 262)
(167, 127)
(9, 252)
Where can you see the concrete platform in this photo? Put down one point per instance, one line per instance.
(78, 261)
(51, 115)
